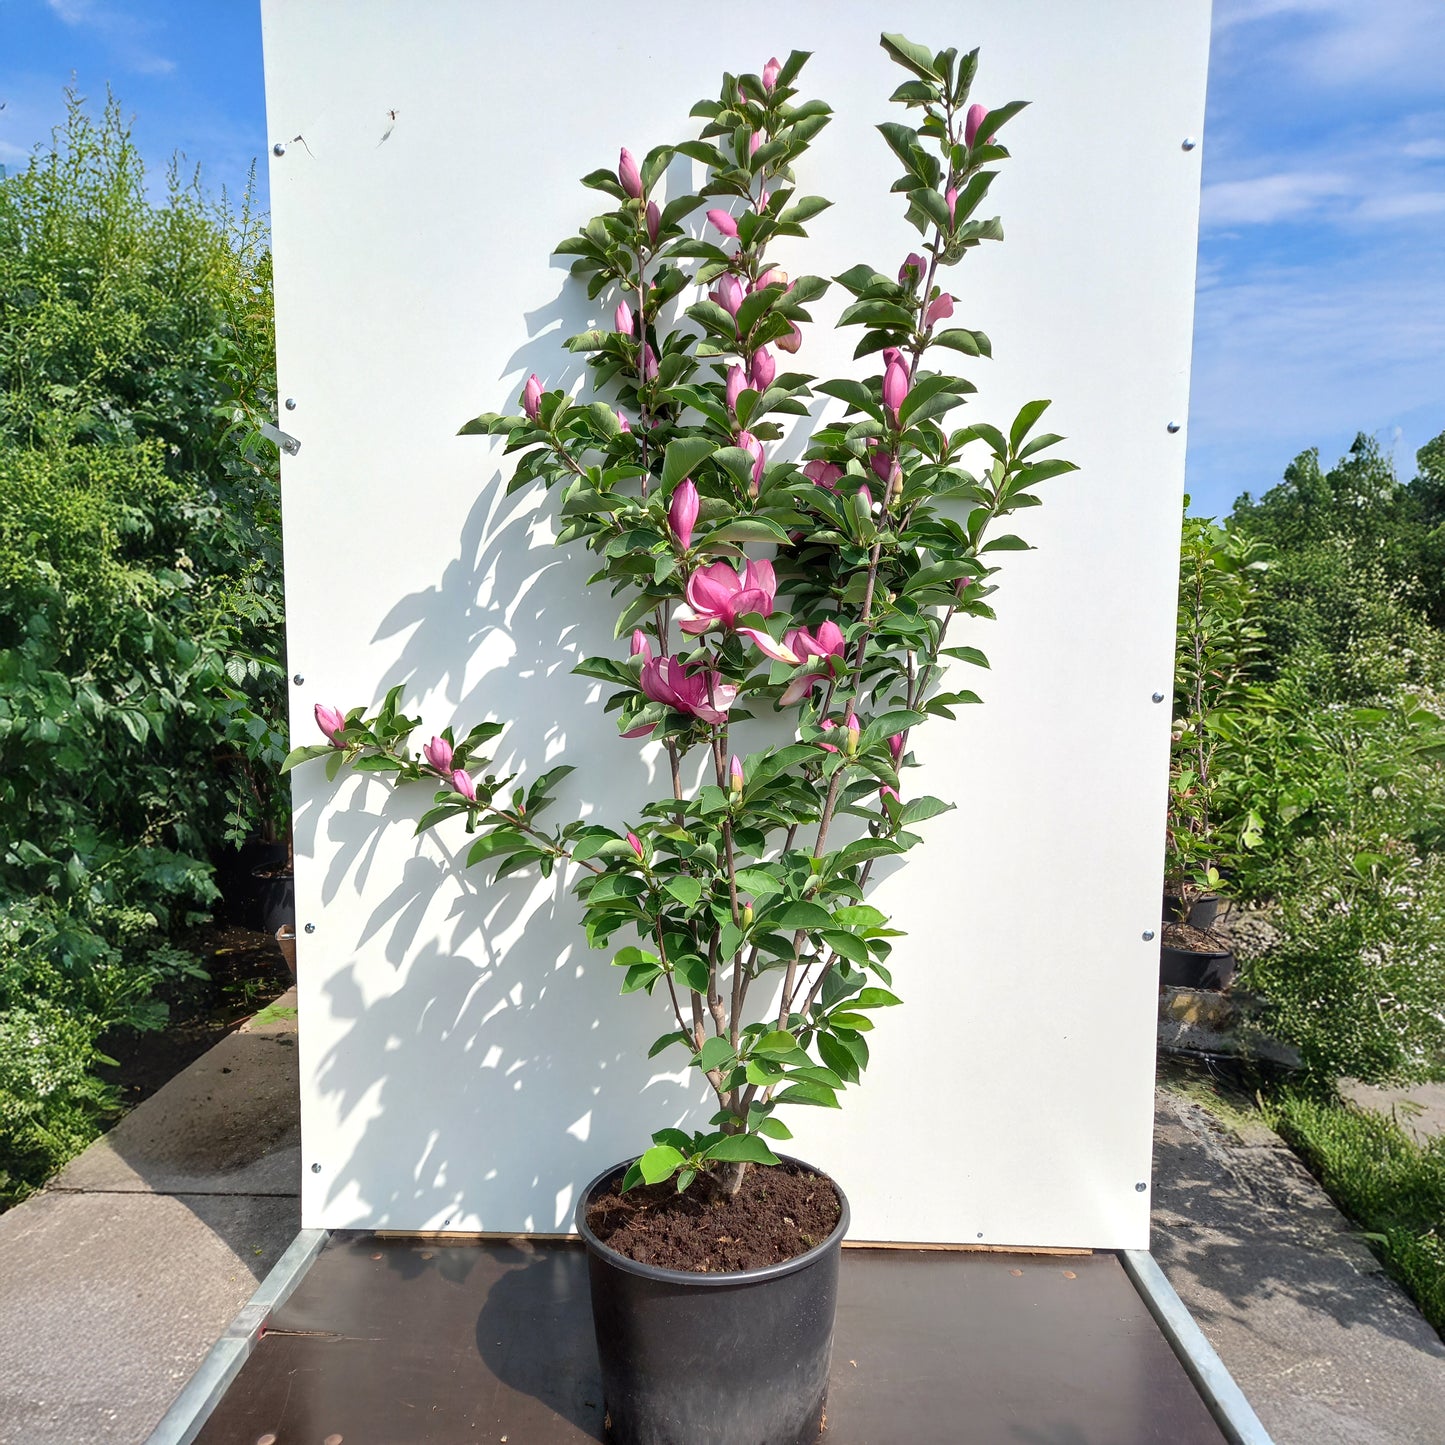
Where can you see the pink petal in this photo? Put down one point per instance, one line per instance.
(769, 645)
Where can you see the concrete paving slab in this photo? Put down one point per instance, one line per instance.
(1419, 1108)
(108, 1302)
(1327, 1348)
(228, 1124)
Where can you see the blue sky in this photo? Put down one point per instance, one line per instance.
(1321, 301)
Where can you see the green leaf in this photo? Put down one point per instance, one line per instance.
(774, 1128)
(910, 56)
(839, 1058)
(920, 808)
(775, 1045)
(682, 457)
(1029, 413)
(847, 945)
(660, 1162)
(693, 971)
(819, 1094)
(876, 998)
(960, 338)
(741, 1147)
(666, 1042)
(801, 915)
(502, 840)
(716, 1054)
(687, 891)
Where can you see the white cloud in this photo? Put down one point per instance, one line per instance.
(1432, 148)
(1260, 200)
(123, 33)
(1402, 205)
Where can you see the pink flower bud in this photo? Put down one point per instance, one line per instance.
(951, 197)
(940, 309)
(438, 752)
(825, 474)
(623, 422)
(910, 270)
(634, 840)
(654, 221)
(649, 364)
(854, 732)
(728, 293)
(462, 782)
(886, 792)
(972, 122)
(755, 142)
(682, 513)
(762, 369)
(895, 386)
(724, 222)
(890, 355)
(331, 721)
(736, 776)
(629, 175)
(792, 341)
(827, 726)
(750, 444)
(881, 462)
(771, 71)
(773, 276)
(623, 318)
(532, 397)
(641, 647)
(736, 382)
(866, 497)
(895, 746)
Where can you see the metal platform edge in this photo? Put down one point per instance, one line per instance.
(1232, 1412)
(200, 1395)
(190, 1410)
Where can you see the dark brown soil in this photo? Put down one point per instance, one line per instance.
(1193, 940)
(781, 1211)
(246, 972)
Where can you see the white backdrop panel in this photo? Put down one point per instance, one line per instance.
(466, 1062)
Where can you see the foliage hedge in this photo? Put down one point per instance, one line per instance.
(140, 604)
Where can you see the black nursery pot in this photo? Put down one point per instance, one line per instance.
(276, 892)
(713, 1359)
(1185, 968)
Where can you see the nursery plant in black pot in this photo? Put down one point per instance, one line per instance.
(1218, 638)
(815, 594)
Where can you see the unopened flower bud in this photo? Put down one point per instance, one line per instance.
(736, 777)
(746, 915)
(735, 384)
(771, 71)
(629, 175)
(532, 397)
(622, 318)
(972, 122)
(438, 753)
(853, 733)
(910, 270)
(654, 221)
(723, 221)
(682, 512)
(462, 782)
(635, 841)
(641, 647)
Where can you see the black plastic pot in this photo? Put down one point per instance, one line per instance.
(276, 897)
(1184, 968)
(1201, 912)
(713, 1359)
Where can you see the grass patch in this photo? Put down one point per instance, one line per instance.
(1386, 1182)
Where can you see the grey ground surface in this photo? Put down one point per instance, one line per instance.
(118, 1277)
(1327, 1348)
(1420, 1108)
(115, 1280)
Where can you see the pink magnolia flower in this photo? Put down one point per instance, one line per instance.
(755, 142)
(641, 647)
(438, 752)
(736, 382)
(623, 318)
(724, 222)
(885, 792)
(331, 721)
(895, 746)
(892, 354)
(629, 175)
(719, 595)
(972, 122)
(773, 276)
(827, 725)
(819, 652)
(654, 221)
(792, 341)
(623, 422)
(762, 369)
(771, 71)
(895, 386)
(699, 693)
(854, 732)
(910, 270)
(649, 363)
(825, 474)
(463, 783)
(728, 293)
(532, 397)
(950, 196)
(940, 309)
(682, 513)
(880, 460)
(635, 841)
(736, 775)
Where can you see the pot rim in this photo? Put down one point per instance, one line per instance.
(1196, 952)
(663, 1275)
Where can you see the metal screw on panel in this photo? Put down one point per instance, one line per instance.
(1157, 696)
(316, 1169)
(1172, 427)
(290, 403)
(1188, 143)
(1140, 1187)
(298, 679)
(279, 149)
(311, 928)
(980, 1234)
(1148, 935)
